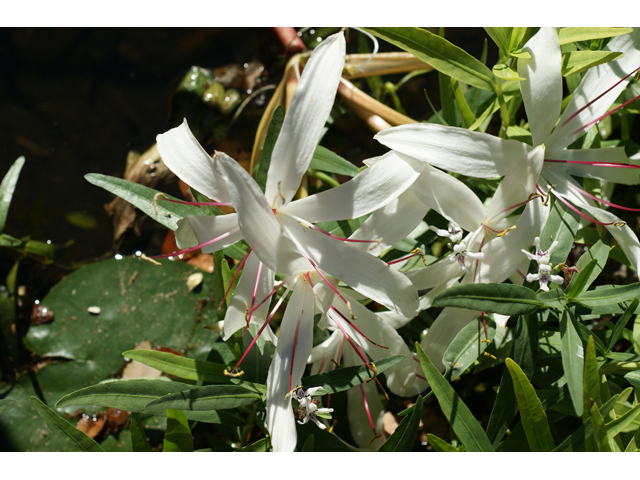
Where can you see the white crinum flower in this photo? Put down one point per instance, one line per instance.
(482, 155)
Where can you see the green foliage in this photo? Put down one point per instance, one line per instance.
(177, 437)
(402, 439)
(502, 298)
(267, 148)
(7, 187)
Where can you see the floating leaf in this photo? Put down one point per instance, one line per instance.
(177, 437)
(506, 299)
(7, 404)
(404, 436)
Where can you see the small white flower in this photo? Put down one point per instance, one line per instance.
(460, 254)
(454, 232)
(309, 408)
(543, 258)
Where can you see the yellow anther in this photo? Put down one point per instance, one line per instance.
(418, 251)
(374, 438)
(375, 372)
(378, 242)
(487, 354)
(506, 230)
(246, 313)
(619, 223)
(234, 375)
(334, 361)
(353, 317)
(485, 340)
(144, 257)
(457, 379)
(291, 391)
(332, 425)
(155, 201)
(615, 244)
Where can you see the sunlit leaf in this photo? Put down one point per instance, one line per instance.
(211, 397)
(328, 161)
(504, 72)
(178, 366)
(582, 60)
(579, 34)
(572, 360)
(7, 187)
(177, 436)
(506, 299)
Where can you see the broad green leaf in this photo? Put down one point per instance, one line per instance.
(580, 283)
(466, 347)
(609, 295)
(506, 299)
(600, 438)
(7, 404)
(404, 436)
(562, 225)
(463, 423)
(326, 160)
(259, 446)
(502, 71)
(591, 382)
(342, 379)
(446, 96)
(500, 35)
(533, 416)
(517, 35)
(582, 60)
(7, 187)
(211, 397)
(168, 213)
(75, 440)
(139, 440)
(572, 360)
(518, 133)
(579, 34)
(181, 367)
(468, 118)
(599, 252)
(621, 323)
(440, 445)
(177, 436)
(440, 54)
(267, 148)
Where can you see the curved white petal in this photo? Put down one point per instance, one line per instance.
(443, 331)
(195, 230)
(236, 315)
(370, 190)
(594, 83)
(450, 198)
(625, 237)
(390, 224)
(303, 123)
(516, 186)
(296, 331)
(259, 225)
(435, 274)
(185, 157)
(626, 176)
(542, 89)
(361, 271)
(455, 149)
(321, 355)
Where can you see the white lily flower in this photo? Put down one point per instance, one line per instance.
(482, 155)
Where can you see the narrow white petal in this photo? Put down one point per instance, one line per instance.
(195, 230)
(361, 271)
(235, 318)
(390, 224)
(626, 176)
(185, 157)
(303, 123)
(455, 149)
(625, 237)
(257, 221)
(370, 190)
(450, 198)
(542, 89)
(435, 274)
(594, 83)
(321, 355)
(298, 316)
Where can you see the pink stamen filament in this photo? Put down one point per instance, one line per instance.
(579, 212)
(521, 274)
(324, 232)
(187, 250)
(253, 298)
(234, 278)
(335, 290)
(595, 164)
(475, 270)
(212, 204)
(519, 204)
(402, 259)
(356, 328)
(596, 99)
(593, 197)
(270, 294)
(484, 322)
(293, 350)
(356, 347)
(366, 409)
(324, 359)
(584, 127)
(489, 228)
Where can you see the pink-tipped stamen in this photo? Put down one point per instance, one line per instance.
(366, 409)
(324, 232)
(520, 204)
(484, 322)
(593, 197)
(393, 262)
(579, 212)
(324, 359)
(356, 347)
(595, 164)
(293, 351)
(584, 127)
(596, 99)
(271, 294)
(187, 250)
(489, 228)
(475, 269)
(234, 279)
(197, 204)
(335, 290)
(253, 298)
(356, 328)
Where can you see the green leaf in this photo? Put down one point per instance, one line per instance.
(342, 379)
(181, 367)
(582, 60)
(8, 241)
(601, 440)
(599, 252)
(502, 71)
(500, 35)
(221, 279)
(621, 423)
(72, 438)
(533, 417)
(591, 382)
(440, 54)
(7, 404)
(211, 397)
(466, 347)
(572, 360)
(562, 225)
(402, 439)
(579, 34)
(259, 446)
(517, 35)
(468, 118)
(308, 444)
(139, 440)
(177, 436)
(609, 295)
(329, 161)
(142, 197)
(506, 299)
(580, 283)
(463, 423)
(575, 442)
(440, 445)
(267, 148)
(621, 323)
(7, 187)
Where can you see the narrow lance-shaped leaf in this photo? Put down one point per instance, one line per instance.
(7, 187)
(463, 423)
(600, 437)
(404, 436)
(609, 295)
(328, 161)
(581, 61)
(212, 397)
(440, 54)
(467, 115)
(500, 35)
(440, 445)
(572, 360)
(75, 440)
(580, 283)
(591, 382)
(177, 436)
(621, 323)
(275, 125)
(579, 34)
(562, 225)
(139, 442)
(506, 299)
(599, 252)
(466, 347)
(181, 367)
(534, 419)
